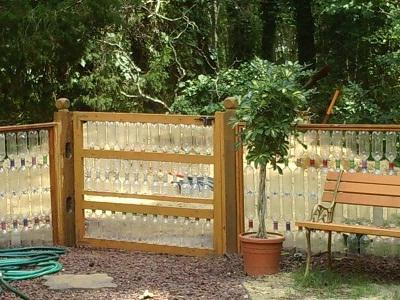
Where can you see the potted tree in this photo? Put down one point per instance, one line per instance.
(270, 110)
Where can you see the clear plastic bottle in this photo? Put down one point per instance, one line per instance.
(26, 240)
(287, 195)
(155, 186)
(324, 141)
(312, 179)
(275, 201)
(5, 240)
(300, 240)
(288, 243)
(3, 192)
(36, 233)
(195, 189)
(249, 197)
(365, 245)
(207, 240)
(47, 233)
(364, 149)
(145, 226)
(196, 238)
(175, 229)
(15, 235)
(298, 184)
(352, 243)
(133, 228)
(174, 187)
(338, 244)
(165, 184)
(164, 231)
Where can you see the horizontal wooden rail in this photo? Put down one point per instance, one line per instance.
(341, 127)
(349, 127)
(149, 156)
(150, 209)
(101, 243)
(28, 127)
(152, 197)
(141, 118)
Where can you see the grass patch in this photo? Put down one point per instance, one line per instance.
(330, 284)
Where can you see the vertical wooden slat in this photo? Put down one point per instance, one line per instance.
(65, 179)
(78, 171)
(219, 230)
(228, 178)
(239, 188)
(58, 236)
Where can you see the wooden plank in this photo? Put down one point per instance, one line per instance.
(151, 197)
(79, 178)
(140, 117)
(239, 189)
(28, 127)
(100, 243)
(363, 199)
(56, 210)
(364, 178)
(66, 177)
(219, 229)
(349, 127)
(149, 156)
(350, 228)
(228, 178)
(364, 188)
(149, 209)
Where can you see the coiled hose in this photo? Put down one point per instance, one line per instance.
(27, 263)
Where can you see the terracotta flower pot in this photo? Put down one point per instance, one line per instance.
(261, 256)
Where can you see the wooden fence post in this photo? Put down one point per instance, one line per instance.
(66, 215)
(227, 174)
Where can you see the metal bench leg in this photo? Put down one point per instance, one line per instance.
(308, 264)
(330, 250)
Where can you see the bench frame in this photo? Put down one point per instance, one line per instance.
(322, 217)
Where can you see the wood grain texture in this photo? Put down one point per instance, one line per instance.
(99, 243)
(350, 228)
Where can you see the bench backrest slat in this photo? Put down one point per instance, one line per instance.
(363, 199)
(364, 189)
(364, 178)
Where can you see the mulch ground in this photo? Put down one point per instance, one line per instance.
(166, 276)
(181, 277)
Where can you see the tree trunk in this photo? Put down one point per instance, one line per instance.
(269, 12)
(262, 203)
(305, 32)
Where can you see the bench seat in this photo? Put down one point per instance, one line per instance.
(350, 228)
(351, 189)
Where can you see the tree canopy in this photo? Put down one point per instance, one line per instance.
(187, 55)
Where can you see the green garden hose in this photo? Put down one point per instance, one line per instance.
(27, 263)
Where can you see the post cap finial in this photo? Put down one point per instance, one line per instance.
(230, 103)
(62, 104)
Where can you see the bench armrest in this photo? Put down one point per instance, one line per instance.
(322, 213)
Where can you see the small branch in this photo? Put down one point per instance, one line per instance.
(147, 97)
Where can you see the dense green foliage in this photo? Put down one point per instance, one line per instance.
(187, 55)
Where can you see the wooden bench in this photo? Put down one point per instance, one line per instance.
(354, 189)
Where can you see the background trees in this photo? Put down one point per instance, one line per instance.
(184, 55)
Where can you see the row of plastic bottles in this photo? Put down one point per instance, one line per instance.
(25, 233)
(145, 177)
(344, 243)
(24, 174)
(293, 194)
(150, 137)
(151, 229)
(349, 145)
(24, 144)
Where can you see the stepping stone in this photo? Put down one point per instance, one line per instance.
(71, 281)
